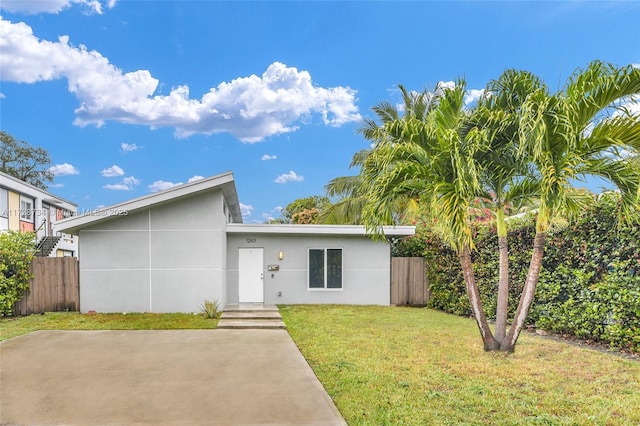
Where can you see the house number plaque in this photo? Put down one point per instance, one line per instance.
(251, 240)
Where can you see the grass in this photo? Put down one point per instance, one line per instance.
(406, 366)
(13, 327)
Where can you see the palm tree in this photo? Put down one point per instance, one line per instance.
(433, 158)
(521, 142)
(503, 180)
(352, 196)
(352, 190)
(582, 130)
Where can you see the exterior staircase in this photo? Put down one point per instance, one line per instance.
(45, 245)
(251, 316)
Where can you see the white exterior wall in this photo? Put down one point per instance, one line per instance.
(366, 268)
(166, 258)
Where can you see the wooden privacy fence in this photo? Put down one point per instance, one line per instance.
(55, 287)
(409, 285)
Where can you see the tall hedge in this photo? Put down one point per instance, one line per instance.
(16, 251)
(589, 285)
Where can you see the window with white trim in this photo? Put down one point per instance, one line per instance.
(325, 268)
(26, 209)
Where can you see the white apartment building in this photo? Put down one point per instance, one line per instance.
(24, 207)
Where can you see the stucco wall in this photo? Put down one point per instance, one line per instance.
(366, 268)
(168, 258)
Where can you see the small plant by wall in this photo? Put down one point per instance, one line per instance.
(211, 309)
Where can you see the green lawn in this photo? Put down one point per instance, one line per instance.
(12, 327)
(407, 366)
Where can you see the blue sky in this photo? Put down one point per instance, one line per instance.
(131, 97)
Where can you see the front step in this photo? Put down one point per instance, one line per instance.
(251, 316)
(255, 315)
(236, 324)
(250, 307)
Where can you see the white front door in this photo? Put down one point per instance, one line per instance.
(250, 275)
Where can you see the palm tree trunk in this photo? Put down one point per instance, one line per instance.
(528, 292)
(490, 343)
(503, 290)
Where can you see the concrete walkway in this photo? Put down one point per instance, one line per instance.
(183, 377)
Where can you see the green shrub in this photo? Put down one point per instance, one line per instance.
(16, 251)
(589, 285)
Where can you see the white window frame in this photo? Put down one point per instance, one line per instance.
(324, 250)
(26, 209)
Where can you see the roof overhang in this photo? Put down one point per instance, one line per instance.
(280, 229)
(33, 191)
(223, 182)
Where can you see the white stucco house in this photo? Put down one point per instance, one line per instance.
(172, 250)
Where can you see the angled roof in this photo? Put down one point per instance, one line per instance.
(246, 228)
(222, 181)
(25, 188)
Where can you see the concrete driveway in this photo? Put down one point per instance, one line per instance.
(183, 377)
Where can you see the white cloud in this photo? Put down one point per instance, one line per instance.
(442, 85)
(266, 217)
(472, 96)
(117, 187)
(112, 171)
(56, 185)
(246, 210)
(2, 96)
(34, 7)
(267, 157)
(63, 169)
(131, 180)
(250, 108)
(632, 106)
(289, 177)
(127, 184)
(161, 185)
(128, 147)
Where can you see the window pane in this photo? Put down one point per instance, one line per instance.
(26, 209)
(334, 268)
(316, 268)
(4, 203)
